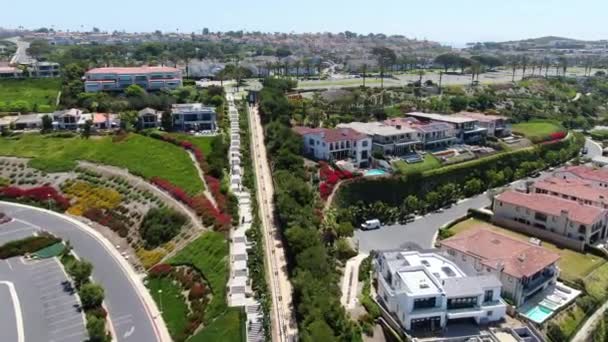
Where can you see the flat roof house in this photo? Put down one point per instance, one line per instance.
(497, 125)
(117, 79)
(524, 269)
(467, 130)
(29, 121)
(425, 290)
(432, 134)
(597, 177)
(193, 117)
(388, 139)
(564, 222)
(336, 144)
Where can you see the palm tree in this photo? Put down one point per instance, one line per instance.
(514, 66)
(475, 70)
(563, 63)
(524, 64)
(364, 73)
(440, 79)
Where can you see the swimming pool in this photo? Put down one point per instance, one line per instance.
(374, 172)
(539, 313)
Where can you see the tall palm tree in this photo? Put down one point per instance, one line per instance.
(364, 73)
(524, 65)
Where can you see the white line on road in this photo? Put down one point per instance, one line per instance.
(9, 265)
(16, 309)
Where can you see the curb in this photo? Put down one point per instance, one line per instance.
(160, 328)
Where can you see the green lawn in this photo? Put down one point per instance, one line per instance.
(209, 254)
(172, 303)
(429, 163)
(569, 320)
(141, 155)
(573, 265)
(537, 130)
(34, 94)
(229, 327)
(595, 283)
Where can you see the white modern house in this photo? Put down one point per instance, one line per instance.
(424, 291)
(336, 144)
(388, 139)
(193, 117)
(497, 125)
(148, 118)
(68, 119)
(524, 269)
(467, 130)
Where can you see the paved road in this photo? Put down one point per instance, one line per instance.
(129, 308)
(8, 323)
(20, 56)
(284, 326)
(593, 148)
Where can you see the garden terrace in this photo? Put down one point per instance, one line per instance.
(538, 131)
(140, 155)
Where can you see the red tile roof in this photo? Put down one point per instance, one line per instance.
(331, 135)
(598, 175)
(519, 258)
(132, 70)
(579, 188)
(551, 205)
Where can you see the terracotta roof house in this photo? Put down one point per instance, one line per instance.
(524, 269)
(336, 144)
(117, 79)
(598, 177)
(563, 221)
(579, 190)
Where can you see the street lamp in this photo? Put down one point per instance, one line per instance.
(48, 196)
(160, 293)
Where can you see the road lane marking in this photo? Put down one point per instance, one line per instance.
(129, 332)
(75, 325)
(9, 265)
(16, 309)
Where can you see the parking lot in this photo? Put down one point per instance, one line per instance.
(46, 302)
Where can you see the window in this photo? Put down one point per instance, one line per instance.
(424, 303)
(311, 141)
(488, 296)
(489, 313)
(451, 252)
(364, 143)
(540, 217)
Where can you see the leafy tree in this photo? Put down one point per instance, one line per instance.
(459, 103)
(472, 187)
(343, 250)
(411, 204)
(433, 200)
(160, 226)
(80, 271)
(599, 334)
(166, 121)
(345, 229)
(91, 295)
(385, 57)
(86, 129)
(135, 90)
(447, 60)
(318, 330)
(47, 123)
(96, 327)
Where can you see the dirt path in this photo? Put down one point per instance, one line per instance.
(201, 175)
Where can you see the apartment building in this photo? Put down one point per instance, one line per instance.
(559, 220)
(574, 189)
(524, 269)
(388, 139)
(336, 144)
(193, 117)
(424, 291)
(497, 125)
(597, 177)
(466, 130)
(117, 79)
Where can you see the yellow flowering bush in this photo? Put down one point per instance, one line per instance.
(87, 196)
(150, 258)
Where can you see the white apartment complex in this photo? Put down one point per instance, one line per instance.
(424, 291)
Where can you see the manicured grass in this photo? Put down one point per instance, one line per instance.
(573, 265)
(429, 163)
(40, 92)
(209, 254)
(141, 155)
(229, 327)
(536, 130)
(595, 283)
(172, 303)
(204, 143)
(569, 320)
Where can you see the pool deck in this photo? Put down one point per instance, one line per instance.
(559, 295)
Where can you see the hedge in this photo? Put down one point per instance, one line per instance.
(28, 245)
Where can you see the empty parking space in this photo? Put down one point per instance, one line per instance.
(14, 230)
(8, 323)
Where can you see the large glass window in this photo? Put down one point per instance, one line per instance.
(424, 303)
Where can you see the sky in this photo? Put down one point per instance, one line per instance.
(445, 21)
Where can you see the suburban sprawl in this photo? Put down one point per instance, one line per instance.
(247, 186)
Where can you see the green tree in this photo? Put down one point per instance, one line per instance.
(86, 129)
(433, 200)
(459, 103)
(411, 204)
(345, 229)
(166, 121)
(91, 295)
(599, 334)
(472, 187)
(386, 58)
(96, 327)
(135, 90)
(47, 123)
(447, 60)
(80, 271)
(319, 330)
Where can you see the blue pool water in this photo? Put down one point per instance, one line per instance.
(539, 313)
(374, 172)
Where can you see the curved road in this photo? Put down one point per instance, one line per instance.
(132, 311)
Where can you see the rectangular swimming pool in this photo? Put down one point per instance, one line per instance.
(539, 313)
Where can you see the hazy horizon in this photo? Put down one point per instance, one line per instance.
(443, 21)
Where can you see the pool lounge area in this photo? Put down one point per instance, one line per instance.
(542, 306)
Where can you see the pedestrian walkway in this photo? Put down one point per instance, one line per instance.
(240, 293)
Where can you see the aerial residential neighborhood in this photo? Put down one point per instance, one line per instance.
(246, 173)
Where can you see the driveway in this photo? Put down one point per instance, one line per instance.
(131, 311)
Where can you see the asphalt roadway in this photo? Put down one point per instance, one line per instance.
(130, 317)
(421, 233)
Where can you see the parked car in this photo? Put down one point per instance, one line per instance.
(371, 224)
